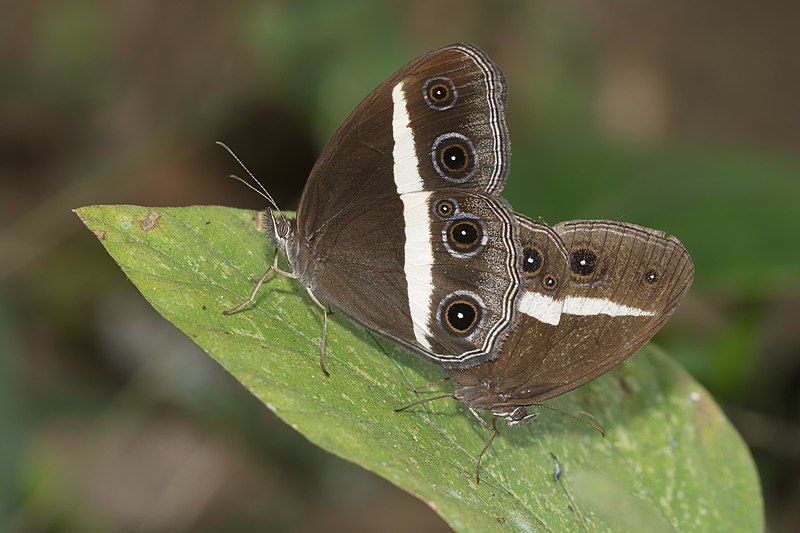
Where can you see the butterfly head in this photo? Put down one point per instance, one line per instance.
(281, 232)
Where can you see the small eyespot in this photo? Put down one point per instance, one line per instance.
(584, 262)
(531, 262)
(651, 277)
(454, 157)
(439, 93)
(549, 282)
(461, 316)
(445, 208)
(465, 235)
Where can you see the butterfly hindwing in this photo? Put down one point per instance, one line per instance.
(621, 283)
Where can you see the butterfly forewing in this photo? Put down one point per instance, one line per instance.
(455, 102)
(455, 95)
(401, 225)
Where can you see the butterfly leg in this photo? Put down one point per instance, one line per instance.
(407, 386)
(259, 282)
(324, 331)
(423, 400)
(493, 429)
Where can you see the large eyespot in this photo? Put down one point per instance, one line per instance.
(583, 262)
(454, 157)
(445, 208)
(440, 93)
(651, 277)
(531, 262)
(465, 236)
(461, 313)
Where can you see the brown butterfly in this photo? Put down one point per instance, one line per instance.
(401, 227)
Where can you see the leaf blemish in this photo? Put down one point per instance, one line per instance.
(623, 386)
(556, 468)
(150, 222)
(100, 234)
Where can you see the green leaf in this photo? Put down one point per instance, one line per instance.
(670, 457)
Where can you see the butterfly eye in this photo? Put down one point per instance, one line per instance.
(454, 157)
(439, 93)
(531, 262)
(461, 315)
(445, 208)
(651, 277)
(584, 262)
(465, 236)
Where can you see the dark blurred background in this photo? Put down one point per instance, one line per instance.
(679, 115)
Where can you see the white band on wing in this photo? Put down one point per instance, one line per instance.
(541, 307)
(585, 306)
(418, 265)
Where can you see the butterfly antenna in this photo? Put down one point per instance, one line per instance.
(426, 388)
(261, 189)
(574, 417)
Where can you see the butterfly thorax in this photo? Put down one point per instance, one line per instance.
(481, 397)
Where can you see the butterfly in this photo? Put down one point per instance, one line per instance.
(401, 227)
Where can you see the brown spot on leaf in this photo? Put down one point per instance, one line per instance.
(150, 222)
(100, 234)
(623, 386)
